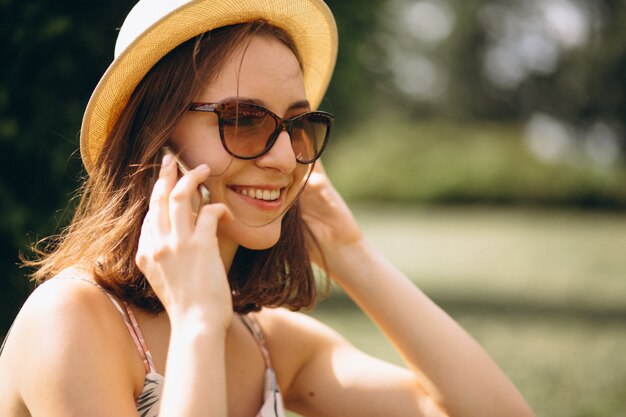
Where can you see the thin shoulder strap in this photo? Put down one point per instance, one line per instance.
(254, 328)
(140, 343)
(131, 324)
(6, 337)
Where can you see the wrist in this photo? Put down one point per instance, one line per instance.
(200, 320)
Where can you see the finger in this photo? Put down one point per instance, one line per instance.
(146, 226)
(158, 212)
(146, 239)
(181, 204)
(209, 217)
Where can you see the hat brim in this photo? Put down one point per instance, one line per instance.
(309, 22)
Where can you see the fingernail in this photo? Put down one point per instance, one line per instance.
(167, 159)
(203, 167)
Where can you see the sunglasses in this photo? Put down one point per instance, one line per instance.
(249, 131)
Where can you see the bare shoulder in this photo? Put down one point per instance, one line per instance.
(69, 331)
(60, 311)
(285, 325)
(321, 373)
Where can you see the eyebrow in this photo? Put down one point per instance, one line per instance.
(302, 104)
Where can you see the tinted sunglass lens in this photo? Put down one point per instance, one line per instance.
(307, 137)
(246, 129)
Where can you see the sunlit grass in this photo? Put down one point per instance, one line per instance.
(544, 292)
(559, 257)
(564, 367)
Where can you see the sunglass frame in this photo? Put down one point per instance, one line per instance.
(282, 124)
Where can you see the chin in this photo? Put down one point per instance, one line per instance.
(254, 238)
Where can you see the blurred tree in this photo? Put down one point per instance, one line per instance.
(54, 54)
(350, 95)
(509, 60)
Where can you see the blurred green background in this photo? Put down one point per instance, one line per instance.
(480, 142)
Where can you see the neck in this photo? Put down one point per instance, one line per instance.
(228, 248)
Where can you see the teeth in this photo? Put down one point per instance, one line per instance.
(266, 195)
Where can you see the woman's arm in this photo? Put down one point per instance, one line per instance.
(446, 363)
(70, 355)
(180, 256)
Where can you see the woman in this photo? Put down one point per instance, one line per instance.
(153, 305)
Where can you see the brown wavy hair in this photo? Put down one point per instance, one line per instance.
(104, 232)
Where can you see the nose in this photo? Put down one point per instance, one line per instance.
(281, 156)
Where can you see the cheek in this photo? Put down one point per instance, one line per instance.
(302, 172)
(199, 143)
(205, 150)
(300, 177)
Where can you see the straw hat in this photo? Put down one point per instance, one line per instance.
(155, 27)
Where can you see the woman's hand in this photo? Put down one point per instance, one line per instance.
(328, 217)
(179, 252)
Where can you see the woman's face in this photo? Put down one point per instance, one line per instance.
(258, 190)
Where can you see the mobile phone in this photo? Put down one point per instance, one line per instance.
(203, 196)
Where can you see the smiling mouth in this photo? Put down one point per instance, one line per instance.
(258, 193)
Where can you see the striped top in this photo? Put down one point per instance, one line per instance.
(149, 400)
